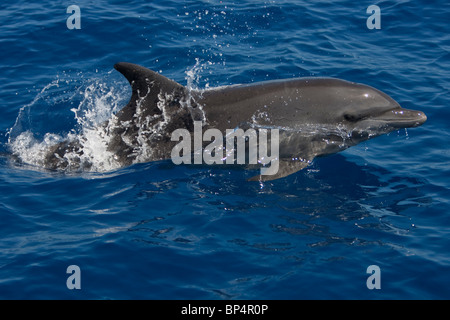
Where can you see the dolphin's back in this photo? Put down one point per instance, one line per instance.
(268, 101)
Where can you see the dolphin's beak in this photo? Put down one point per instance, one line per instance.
(401, 118)
(393, 119)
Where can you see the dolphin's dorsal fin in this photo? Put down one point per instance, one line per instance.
(146, 85)
(286, 167)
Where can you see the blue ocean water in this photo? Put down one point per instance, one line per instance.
(160, 231)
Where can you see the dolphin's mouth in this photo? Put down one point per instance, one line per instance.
(400, 118)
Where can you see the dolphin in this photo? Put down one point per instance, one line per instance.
(314, 116)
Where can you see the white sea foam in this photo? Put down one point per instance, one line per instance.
(97, 103)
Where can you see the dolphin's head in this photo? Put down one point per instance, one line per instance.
(339, 114)
(367, 112)
(359, 110)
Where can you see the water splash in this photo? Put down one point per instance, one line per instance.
(95, 100)
(193, 78)
(24, 117)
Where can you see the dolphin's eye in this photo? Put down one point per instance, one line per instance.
(351, 117)
(354, 117)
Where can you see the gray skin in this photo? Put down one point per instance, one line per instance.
(315, 117)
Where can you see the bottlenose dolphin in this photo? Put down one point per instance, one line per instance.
(314, 116)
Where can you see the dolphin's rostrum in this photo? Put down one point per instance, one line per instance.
(314, 116)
